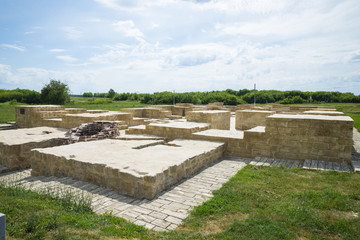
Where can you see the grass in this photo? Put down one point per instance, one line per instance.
(257, 203)
(102, 103)
(7, 112)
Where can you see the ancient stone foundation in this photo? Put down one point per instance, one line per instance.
(247, 119)
(15, 145)
(218, 119)
(140, 169)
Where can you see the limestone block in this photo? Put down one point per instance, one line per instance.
(140, 169)
(217, 119)
(15, 145)
(247, 119)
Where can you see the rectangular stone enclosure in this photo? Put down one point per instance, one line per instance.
(15, 145)
(140, 169)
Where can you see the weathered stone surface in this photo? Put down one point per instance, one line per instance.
(176, 130)
(15, 145)
(135, 168)
(247, 119)
(218, 119)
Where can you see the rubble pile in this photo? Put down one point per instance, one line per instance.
(93, 131)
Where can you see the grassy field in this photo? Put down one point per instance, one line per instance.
(257, 203)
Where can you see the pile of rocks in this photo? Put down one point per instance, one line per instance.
(93, 131)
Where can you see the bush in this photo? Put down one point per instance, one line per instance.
(87, 94)
(55, 92)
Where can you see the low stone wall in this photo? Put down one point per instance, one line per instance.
(218, 119)
(234, 140)
(27, 116)
(15, 145)
(176, 130)
(74, 120)
(140, 169)
(314, 137)
(247, 119)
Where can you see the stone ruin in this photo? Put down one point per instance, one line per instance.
(92, 131)
(152, 148)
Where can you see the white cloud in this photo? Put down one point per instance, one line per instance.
(57, 50)
(67, 58)
(13, 46)
(128, 29)
(72, 33)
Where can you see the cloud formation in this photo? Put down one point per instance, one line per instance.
(187, 45)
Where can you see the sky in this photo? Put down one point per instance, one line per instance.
(180, 45)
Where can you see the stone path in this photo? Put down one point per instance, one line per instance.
(167, 210)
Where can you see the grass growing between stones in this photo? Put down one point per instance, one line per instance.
(257, 203)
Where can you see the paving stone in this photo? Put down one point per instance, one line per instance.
(175, 214)
(158, 215)
(173, 220)
(172, 227)
(142, 210)
(161, 223)
(307, 164)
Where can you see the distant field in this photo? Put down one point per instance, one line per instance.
(7, 110)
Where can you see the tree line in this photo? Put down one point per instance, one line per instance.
(232, 97)
(57, 92)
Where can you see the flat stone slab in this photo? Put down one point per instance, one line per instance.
(26, 135)
(314, 117)
(181, 125)
(15, 145)
(221, 133)
(330, 113)
(140, 169)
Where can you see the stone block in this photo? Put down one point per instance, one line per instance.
(140, 169)
(247, 119)
(218, 119)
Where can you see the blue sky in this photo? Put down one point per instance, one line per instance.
(165, 45)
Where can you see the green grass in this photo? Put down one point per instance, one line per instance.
(7, 112)
(257, 203)
(102, 103)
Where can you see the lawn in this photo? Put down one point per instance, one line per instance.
(257, 203)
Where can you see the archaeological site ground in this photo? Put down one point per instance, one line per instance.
(153, 165)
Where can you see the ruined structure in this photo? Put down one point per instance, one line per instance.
(190, 136)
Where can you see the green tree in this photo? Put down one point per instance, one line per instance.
(111, 93)
(55, 92)
(87, 94)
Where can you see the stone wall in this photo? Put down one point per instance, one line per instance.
(176, 130)
(247, 119)
(218, 119)
(74, 120)
(147, 173)
(313, 137)
(29, 116)
(15, 145)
